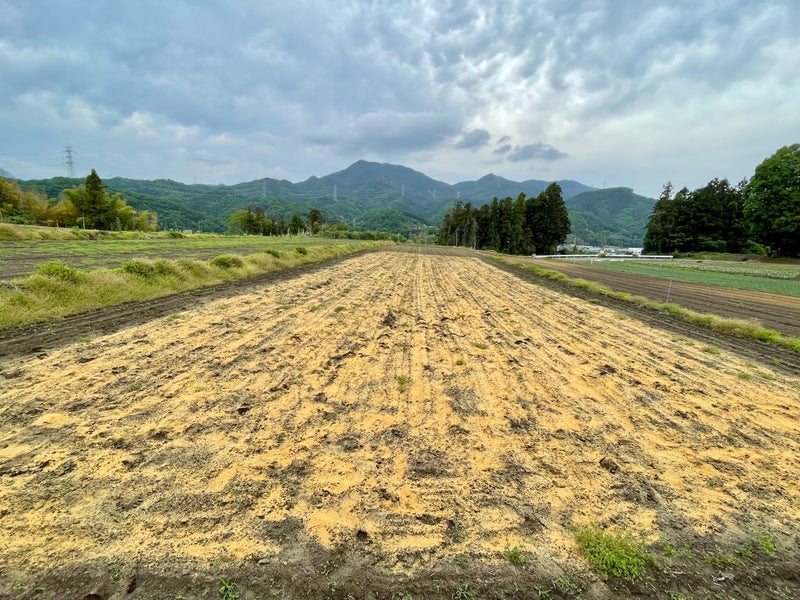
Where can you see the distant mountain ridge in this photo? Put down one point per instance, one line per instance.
(366, 194)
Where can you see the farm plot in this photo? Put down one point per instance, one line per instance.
(395, 413)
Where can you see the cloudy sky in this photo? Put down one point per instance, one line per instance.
(617, 92)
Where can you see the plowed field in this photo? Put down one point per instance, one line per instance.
(395, 419)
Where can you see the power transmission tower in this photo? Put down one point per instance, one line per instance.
(70, 162)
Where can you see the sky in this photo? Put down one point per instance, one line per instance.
(609, 93)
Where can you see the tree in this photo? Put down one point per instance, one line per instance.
(772, 202)
(296, 225)
(94, 207)
(315, 220)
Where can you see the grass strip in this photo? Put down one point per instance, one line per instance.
(736, 327)
(56, 290)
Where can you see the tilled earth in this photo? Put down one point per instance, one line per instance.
(393, 423)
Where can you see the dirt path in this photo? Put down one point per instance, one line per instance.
(404, 411)
(774, 311)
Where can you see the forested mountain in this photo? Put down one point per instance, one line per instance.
(366, 195)
(609, 217)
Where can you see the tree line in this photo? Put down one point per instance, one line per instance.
(88, 205)
(522, 226)
(761, 215)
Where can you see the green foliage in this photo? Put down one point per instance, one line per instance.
(709, 219)
(516, 556)
(95, 208)
(58, 270)
(227, 261)
(765, 543)
(772, 202)
(148, 268)
(520, 226)
(273, 252)
(463, 593)
(722, 558)
(302, 250)
(228, 590)
(613, 555)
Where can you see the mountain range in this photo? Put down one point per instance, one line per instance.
(375, 196)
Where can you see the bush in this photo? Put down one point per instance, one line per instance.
(301, 250)
(59, 270)
(273, 252)
(146, 268)
(227, 261)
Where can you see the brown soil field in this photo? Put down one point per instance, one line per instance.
(774, 311)
(386, 426)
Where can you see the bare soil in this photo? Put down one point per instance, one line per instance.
(386, 424)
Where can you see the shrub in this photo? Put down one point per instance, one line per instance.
(301, 250)
(227, 261)
(273, 252)
(147, 268)
(613, 555)
(59, 270)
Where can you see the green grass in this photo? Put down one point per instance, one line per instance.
(772, 278)
(613, 555)
(56, 290)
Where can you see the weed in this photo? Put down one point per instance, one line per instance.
(613, 555)
(745, 550)
(58, 270)
(481, 345)
(228, 590)
(667, 549)
(676, 595)
(84, 339)
(710, 349)
(766, 543)
(339, 309)
(273, 252)
(227, 261)
(462, 560)
(460, 362)
(302, 250)
(516, 555)
(542, 592)
(721, 559)
(463, 593)
(402, 383)
(403, 596)
(745, 376)
(566, 585)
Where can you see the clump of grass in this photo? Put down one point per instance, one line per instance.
(722, 558)
(302, 250)
(481, 345)
(710, 349)
(149, 268)
(766, 543)
(516, 556)
(273, 252)
(58, 270)
(613, 555)
(227, 261)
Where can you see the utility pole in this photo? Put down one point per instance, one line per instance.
(70, 162)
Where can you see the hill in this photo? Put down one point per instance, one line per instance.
(6, 174)
(366, 194)
(610, 217)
